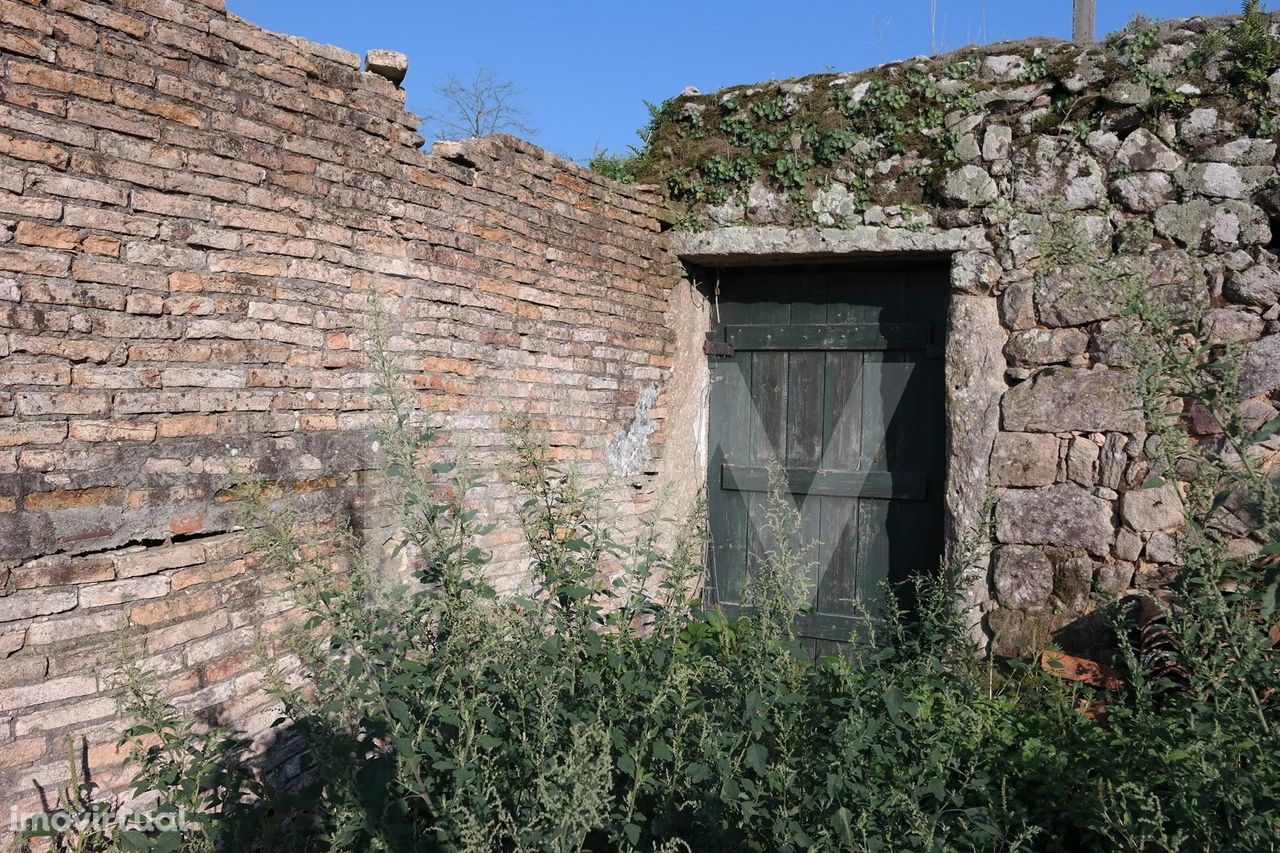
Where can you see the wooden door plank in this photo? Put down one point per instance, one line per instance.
(729, 441)
(768, 418)
(842, 436)
(805, 391)
(828, 337)
(881, 485)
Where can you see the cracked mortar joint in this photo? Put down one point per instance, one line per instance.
(628, 450)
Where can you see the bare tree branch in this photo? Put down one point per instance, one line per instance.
(480, 105)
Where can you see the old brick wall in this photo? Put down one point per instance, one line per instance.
(194, 214)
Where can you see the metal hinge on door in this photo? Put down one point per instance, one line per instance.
(718, 349)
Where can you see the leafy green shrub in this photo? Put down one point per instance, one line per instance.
(619, 167)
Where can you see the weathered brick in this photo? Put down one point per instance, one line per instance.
(112, 753)
(109, 272)
(124, 591)
(241, 330)
(23, 669)
(97, 244)
(48, 236)
(198, 215)
(68, 186)
(105, 16)
(207, 574)
(34, 150)
(170, 352)
(47, 126)
(61, 459)
(25, 44)
(202, 377)
(11, 640)
(28, 206)
(131, 99)
(23, 373)
(75, 627)
(144, 303)
(172, 205)
(181, 525)
(51, 690)
(63, 571)
(185, 282)
(61, 347)
(35, 262)
(74, 498)
(110, 220)
(159, 639)
(24, 605)
(111, 117)
(62, 403)
(19, 433)
(63, 715)
(149, 254)
(83, 295)
(46, 77)
(152, 560)
(112, 430)
(22, 751)
(219, 645)
(176, 607)
(114, 378)
(184, 426)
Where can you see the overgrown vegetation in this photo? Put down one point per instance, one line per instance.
(629, 167)
(607, 710)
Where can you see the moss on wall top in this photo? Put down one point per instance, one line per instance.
(832, 148)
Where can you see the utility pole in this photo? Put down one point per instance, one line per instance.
(1083, 28)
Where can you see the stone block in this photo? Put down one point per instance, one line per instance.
(1261, 373)
(1143, 151)
(1024, 459)
(1046, 346)
(1023, 576)
(1256, 285)
(970, 186)
(1057, 400)
(1066, 515)
(1082, 461)
(1150, 509)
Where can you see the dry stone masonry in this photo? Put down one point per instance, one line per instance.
(195, 216)
(976, 156)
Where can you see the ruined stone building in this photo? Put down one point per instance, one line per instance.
(847, 274)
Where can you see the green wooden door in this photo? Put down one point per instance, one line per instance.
(836, 373)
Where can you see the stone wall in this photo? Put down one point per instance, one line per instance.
(194, 217)
(977, 156)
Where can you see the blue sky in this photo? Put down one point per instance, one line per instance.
(586, 67)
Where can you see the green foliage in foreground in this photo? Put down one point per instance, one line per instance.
(607, 711)
(447, 719)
